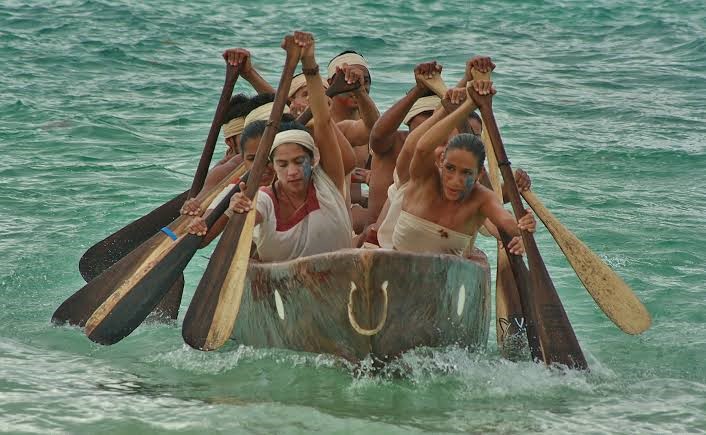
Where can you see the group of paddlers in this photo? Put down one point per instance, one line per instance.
(428, 191)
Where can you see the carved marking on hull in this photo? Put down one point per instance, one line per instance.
(351, 316)
(279, 305)
(461, 300)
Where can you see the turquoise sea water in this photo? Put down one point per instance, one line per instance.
(104, 107)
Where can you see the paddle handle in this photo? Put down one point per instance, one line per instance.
(224, 202)
(212, 138)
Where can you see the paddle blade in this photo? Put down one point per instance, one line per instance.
(556, 336)
(130, 303)
(511, 324)
(211, 316)
(108, 251)
(611, 293)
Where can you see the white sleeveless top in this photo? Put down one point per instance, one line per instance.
(321, 225)
(395, 194)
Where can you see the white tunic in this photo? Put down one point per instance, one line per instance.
(321, 225)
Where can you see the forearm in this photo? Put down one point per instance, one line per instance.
(440, 131)
(388, 124)
(347, 154)
(258, 82)
(317, 98)
(369, 112)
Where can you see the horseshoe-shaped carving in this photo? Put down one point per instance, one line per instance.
(354, 322)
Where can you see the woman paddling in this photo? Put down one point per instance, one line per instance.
(444, 204)
(303, 212)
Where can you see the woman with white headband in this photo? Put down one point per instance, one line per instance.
(303, 212)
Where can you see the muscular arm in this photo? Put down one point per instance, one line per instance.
(410, 144)
(258, 83)
(383, 133)
(358, 132)
(347, 154)
(492, 209)
(331, 160)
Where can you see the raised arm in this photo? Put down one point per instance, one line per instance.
(331, 161)
(404, 159)
(241, 58)
(347, 153)
(358, 131)
(480, 63)
(423, 163)
(384, 132)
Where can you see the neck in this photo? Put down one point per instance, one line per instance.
(341, 113)
(297, 195)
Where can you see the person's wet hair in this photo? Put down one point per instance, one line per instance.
(475, 116)
(468, 142)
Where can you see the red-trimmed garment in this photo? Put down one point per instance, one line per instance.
(321, 225)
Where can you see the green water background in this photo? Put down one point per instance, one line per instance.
(104, 107)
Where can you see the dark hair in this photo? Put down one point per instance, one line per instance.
(254, 129)
(468, 142)
(475, 116)
(257, 128)
(294, 125)
(241, 108)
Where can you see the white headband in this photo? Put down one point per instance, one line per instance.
(424, 104)
(300, 137)
(347, 58)
(234, 127)
(299, 81)
(262, 113)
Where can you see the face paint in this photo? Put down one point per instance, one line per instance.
(307, 168)
(470, 182)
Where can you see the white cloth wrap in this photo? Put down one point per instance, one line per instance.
(234, 127)
(347, 58)
(262, 113)
(299, 81)
(424, 104)
(325, 229)
(414, 234)
(300, 137)
(395, 194)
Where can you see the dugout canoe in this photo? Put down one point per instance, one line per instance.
(359, 302)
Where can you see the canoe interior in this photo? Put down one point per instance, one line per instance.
(432, 300)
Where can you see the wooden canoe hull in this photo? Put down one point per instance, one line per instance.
(432, 300)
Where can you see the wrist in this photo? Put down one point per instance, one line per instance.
(310, 70)
(309, 62)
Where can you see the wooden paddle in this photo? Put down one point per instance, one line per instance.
(510, 324)
(114, 247)
(77, 309)
(551, 325)
(337, 87)
(134, 297)
(609, 291)
(211, 315)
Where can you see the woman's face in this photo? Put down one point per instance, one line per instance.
(458, 170)
(299, 101)
(249, 150)
(293, 166)
(233, 144)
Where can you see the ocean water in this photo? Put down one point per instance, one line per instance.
(104, 108)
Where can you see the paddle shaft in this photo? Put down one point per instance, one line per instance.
(556, 336)
(108, 251)
(204, 313)
(214, 131)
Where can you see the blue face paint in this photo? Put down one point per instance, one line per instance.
(470, 182)
(307, 168)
